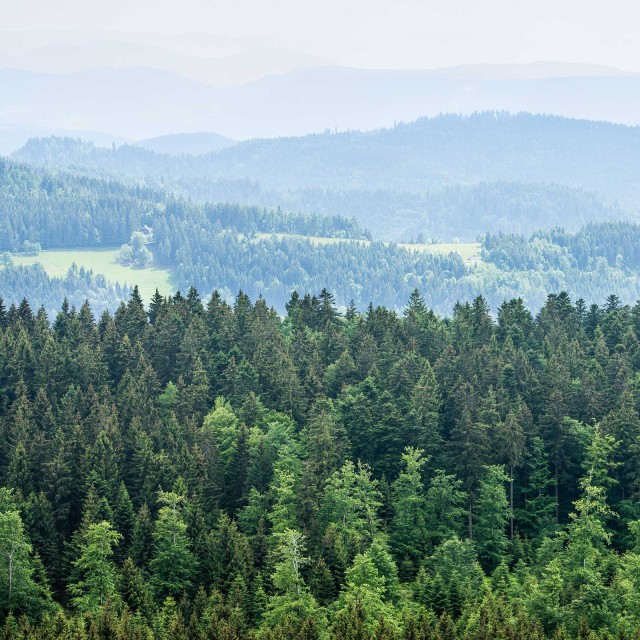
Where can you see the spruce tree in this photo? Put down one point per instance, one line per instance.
(172, 565)
(97, 584)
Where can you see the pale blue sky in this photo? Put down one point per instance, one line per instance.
(374, 33)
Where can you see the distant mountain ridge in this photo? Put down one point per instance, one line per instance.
(233, 69)
(138, 103)
(531, 71)
(195, 144)
(423, 155)
(440, 177)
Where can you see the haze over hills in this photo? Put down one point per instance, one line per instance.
(13, 136)
(531, 71)
(136, 103)
(246, 65)
(233, 69)
(186, 143)
(425, 154)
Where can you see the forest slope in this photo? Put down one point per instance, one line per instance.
(440, 177)
(215, 470)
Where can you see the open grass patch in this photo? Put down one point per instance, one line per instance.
(102, 261)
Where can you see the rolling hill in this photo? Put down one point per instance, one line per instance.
(443, 177)
(140, 102)
(195, 144)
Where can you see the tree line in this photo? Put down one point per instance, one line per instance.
(417, 179)
(77, 286)
(616, 243)
(65, 210)
(413, 157)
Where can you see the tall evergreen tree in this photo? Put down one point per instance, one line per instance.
(172, 565)
(98, 582)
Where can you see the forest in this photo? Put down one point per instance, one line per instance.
(272, 252)
(414, 157)
(59, 210)
(77, 287)
(441, 178)
(201, 470)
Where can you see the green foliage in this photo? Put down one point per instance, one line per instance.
(366, 589)
(273, 527)
(98, 583)
(135, 253)
(408, 533)
(492, 517)
(222, 425)
(444, 507)
(484, 172)
(292, 604)
(172, 565)
(21, 592)
(351, 503)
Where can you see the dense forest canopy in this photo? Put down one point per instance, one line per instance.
(77, 287)
(64, 210)
(205, 470)
(319, 376)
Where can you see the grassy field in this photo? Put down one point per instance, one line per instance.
(469, 251)
(102, 261)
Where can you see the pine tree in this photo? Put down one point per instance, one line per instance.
(351, 503)
(492, 515)
(292, 605)
(20, 592)
(365, 587)
(98, 582)
(408, 530)
(132, 588)
(468, 449)
(325, 444)
(124, 516)
(511, 439)
(444, 507)
(425, 408)
(142, 537)
(540, 507)
(172, 565)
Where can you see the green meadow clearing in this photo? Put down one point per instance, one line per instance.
(469, 251)
(102, 261)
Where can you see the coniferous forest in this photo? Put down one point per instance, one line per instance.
(210, 470)
(319, 320)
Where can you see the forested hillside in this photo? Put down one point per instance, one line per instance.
(614, 244)
(446, 150)
(186, 143)
(271, 253)
(213, 471)
(360, 271)
(461, 211)
(64, 210)
(443, 177)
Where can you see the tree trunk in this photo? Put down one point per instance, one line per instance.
(511, 499)
(557, 494)
(10, 578)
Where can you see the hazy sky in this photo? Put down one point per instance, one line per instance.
(417, 33)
